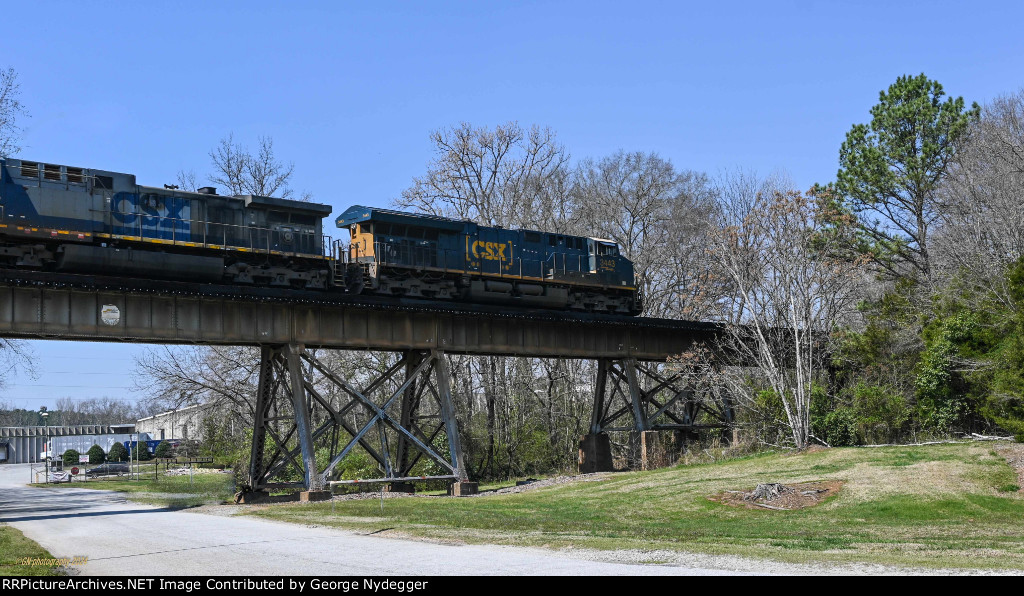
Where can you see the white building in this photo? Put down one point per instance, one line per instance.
(27, 444)
(184, 423)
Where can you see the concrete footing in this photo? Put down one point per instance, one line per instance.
(249, 497)
(400, 487)
(462, 489)
(595, 454)
(314, 495)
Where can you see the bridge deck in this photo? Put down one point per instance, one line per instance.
(91, 308)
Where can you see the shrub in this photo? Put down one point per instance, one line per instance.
(117, 453)
(162, 450)
(840, 428)
(70, 457)
(96, 455)
(141, 452)
(883, 415)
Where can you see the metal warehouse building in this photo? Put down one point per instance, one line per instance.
(25, 444)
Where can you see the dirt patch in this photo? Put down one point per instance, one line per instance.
(535, 484)
(1014, 454)
(792, 496)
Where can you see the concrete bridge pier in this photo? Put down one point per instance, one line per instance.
(595, 454)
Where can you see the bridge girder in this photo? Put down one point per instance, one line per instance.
(98, 315)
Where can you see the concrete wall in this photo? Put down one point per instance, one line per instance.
(175, 424)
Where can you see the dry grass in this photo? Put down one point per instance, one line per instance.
(932, 506)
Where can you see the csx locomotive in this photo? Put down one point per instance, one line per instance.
(77, 220)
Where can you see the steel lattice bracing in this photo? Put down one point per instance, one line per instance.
(396, 428)
(651, 400)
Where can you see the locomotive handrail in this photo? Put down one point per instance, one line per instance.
(206, 224)
(390, 253)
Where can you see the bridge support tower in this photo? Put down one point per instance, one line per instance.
(301, 432)
(661, 414)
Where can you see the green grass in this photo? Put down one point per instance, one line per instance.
(14, 547)
(932, 506)
(167, 491)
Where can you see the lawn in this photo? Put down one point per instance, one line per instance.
(953, 505)
(14, 547)
(167, 491)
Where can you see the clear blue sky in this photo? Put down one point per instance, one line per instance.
(350, 93)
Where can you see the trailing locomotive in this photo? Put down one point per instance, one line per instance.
(64, 218)
(68, 219)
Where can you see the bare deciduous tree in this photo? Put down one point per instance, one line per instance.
(16, 356)
(779, 250)
(102, 410)
(176, 377)
(13, 354)
(187, 180)
(507, 177)
(242, 172)
(983, 216)
(658, 216)
(11, 109)
(501, 177)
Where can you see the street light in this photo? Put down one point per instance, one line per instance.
(46, 446)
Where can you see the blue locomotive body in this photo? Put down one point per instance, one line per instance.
(427, 256)
(77, 220)
(84, 220)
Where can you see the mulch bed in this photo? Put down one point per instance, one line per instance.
(792, 496)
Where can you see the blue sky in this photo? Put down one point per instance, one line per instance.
(349, 93)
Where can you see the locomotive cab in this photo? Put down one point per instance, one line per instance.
(602, 254)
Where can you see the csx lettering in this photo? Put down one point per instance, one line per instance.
(171, 214)
(489, 251)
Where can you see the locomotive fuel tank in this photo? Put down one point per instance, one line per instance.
(138, 263)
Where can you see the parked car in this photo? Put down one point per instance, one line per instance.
(108, 469)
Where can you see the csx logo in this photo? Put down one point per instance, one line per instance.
(491, 251)
(172, 213)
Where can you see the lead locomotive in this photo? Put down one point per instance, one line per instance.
(78, 220)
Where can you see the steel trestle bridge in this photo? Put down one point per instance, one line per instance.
(398, 428)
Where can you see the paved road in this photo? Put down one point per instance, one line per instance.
(124, 538)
